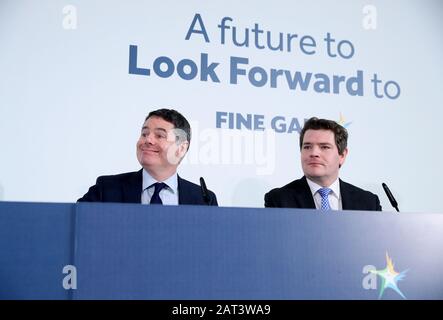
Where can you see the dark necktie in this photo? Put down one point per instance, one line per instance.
(156, 196)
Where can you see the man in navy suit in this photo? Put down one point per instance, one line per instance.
(163, 142)
(323, 148)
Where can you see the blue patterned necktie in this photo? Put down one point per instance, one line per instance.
(324, 193)
(156, 196)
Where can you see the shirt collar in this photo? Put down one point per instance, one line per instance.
(172, 181)
(335, 187)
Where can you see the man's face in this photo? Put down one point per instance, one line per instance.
(319, 157)
(157, 150)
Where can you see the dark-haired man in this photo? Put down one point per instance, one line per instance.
(163, 142)
(323, 148)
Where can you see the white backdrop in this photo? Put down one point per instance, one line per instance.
(71, 109)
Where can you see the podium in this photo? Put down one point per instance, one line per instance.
(134, 251)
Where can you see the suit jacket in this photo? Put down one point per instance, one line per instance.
(127, 188)
(297, 194)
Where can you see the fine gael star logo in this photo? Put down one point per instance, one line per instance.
(390, 277)
(342, 121)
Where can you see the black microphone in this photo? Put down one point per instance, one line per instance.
(390, 196)
(205, 193)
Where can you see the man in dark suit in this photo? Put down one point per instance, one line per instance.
(323, 148)
(163, 142)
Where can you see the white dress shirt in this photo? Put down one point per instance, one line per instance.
(334, 197)
(169, 194)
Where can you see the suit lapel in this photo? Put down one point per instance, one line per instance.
(184, 197)
(303, 195)
(132, 188)
(345, 196)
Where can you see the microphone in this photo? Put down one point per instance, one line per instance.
(205, 193)
(390, 196)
